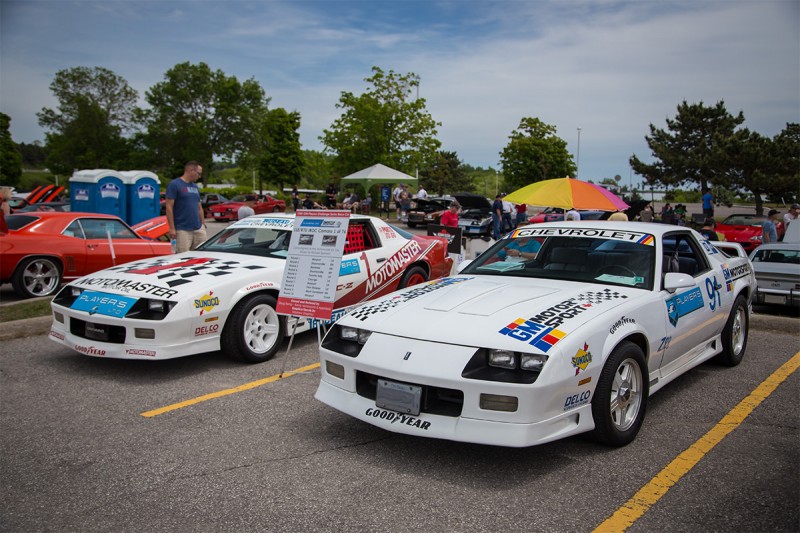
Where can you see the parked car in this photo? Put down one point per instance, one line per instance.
(211, 199)
(475, 218)
(428, 211)
(163, 203)
(156, 229)
(556, 329)
(44, 248)
(229, 210)
(44, 206)
(223, 295)
(744, 228)
(777, 269)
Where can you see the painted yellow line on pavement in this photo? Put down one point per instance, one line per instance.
(648, 495)
(225, 392)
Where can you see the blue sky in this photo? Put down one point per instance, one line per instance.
(609, 68)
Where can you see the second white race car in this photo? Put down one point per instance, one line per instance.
(223, 295)
(555, 330)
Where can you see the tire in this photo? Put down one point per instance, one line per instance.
(412, 224)
(620, 399)
(37, 276)
(734, 335)
(254, 331)
(413, 276)
(276, 209)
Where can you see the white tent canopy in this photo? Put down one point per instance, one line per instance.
(377, 174)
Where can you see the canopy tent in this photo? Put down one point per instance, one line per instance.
(376, 174)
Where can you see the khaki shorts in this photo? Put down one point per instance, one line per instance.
(189, 240)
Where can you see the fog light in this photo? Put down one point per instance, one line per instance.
(532, 362)
(334, 369)
(59, 317)
(144, 333)
(496, 402)
(502, 359)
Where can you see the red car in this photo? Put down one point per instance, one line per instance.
(43, 248)
(744, 228)
(263, 204)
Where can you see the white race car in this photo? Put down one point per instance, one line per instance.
(223, 295)
(557, 329)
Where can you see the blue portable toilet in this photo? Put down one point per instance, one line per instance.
(144, 195)
(98, 191)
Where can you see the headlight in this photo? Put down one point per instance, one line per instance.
(149, 309)
(756, 238)
(533, 362)
(352, 334)
(502, 359)
(504, 366)
(346, 340)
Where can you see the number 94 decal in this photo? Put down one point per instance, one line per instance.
(714, 296)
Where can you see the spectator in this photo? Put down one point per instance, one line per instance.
(309, 203)
(508, 208)
(422, 194)
(708, 230)
(708, 203)
(405, 203)
(619, 216)
(5, 196)
(450, 217)
(646, 214)
(396, 197)
(667, 214)
(352, 202)
(572, 215)
(247, 208)
(769, 232)
(497, 216)
(522, 214)
(680, 215)
(330, 196)
(295, 198)
(184, 211)
(790, 215)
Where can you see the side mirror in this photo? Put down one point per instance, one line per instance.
(677, 280)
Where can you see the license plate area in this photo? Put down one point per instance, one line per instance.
(774, 299)
(98, 332)
(400, 397)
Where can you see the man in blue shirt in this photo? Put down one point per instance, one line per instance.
(184, 211)
(708, 203)
(769, 233)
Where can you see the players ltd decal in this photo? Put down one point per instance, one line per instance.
(683, 304)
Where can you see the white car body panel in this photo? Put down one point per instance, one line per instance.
(428, 334)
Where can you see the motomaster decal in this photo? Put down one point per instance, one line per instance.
(392, 417)
(394, 265)
(535, 334)
(365, 311)
(582, 358)
(138, 351)
(127, 286)
(683, 304)
(56, 334)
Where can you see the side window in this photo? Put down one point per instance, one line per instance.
(686, 254)
(96, 228)
(74, 230)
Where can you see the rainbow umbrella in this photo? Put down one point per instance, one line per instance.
(568, 193)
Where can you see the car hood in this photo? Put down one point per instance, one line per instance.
(472, 201)
(181, 276)
(475, 311)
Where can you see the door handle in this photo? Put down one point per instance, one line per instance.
(380, 259)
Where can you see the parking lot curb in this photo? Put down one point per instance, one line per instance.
(31, 327)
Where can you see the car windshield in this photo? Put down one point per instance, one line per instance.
(250, 240)
(791, 257)
(743, 220)
(584, 255)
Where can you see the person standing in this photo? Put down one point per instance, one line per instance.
(184, 211)
(497, 216)
(422, 194)
(330, 196)
(405, 203)
(396, 197)
(769, 232)
(522, 214)
(295, 198)
(790, 215)
(708, 230)
(450, 217)
(668, 214)
(708, 203)
(508, 208)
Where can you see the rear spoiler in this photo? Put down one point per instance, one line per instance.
(731, 249)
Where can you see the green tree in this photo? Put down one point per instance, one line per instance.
(317, 170)
(383, 125)
(197, 113)
(446, 175)
(281, 156)
(34, 154)
(10, 158)
(685, 152)
(535, 153)
(96, 104)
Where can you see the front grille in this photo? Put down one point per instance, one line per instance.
(435, 400)
(97, 332)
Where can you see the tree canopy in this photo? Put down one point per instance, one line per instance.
(280, 154)
(382, 125)
(534, 153)
(10, 157)
(445, 175)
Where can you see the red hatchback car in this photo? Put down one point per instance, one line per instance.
(744, 228)
(44, 248)
(263, 204)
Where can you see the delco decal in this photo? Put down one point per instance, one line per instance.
(88, 350)
(138, 351)
(206, 330)
(392, 417)
(582, 358)
(206, 303)
(393, 266)
(576, 400)
(683, 304)
(535, 334)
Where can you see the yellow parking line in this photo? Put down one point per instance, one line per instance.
(225, 392)
(648, 495)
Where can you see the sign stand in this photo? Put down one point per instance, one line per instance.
(312, 268)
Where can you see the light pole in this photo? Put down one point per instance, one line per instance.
(578, 156)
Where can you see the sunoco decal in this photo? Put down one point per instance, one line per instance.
(617, 235)
(537, 335)
(581, 359)
(392, 418)
(365, 311)
(206, 303)
(683, 304)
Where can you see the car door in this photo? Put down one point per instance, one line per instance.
(695, 314)
(125, 245)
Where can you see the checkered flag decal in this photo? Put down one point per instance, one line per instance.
(597, 297)
(365, 311)
(182, 272)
